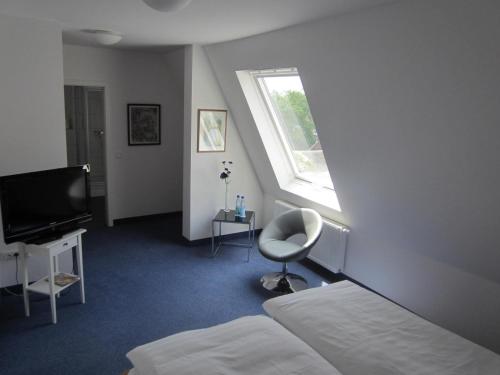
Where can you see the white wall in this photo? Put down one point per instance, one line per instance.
(32, 135)
(187, 150)
(405, 98)
(203, 189)
(142, 180)
(31, 96)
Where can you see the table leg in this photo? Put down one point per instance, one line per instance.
(79, 262)
(24, 267)
(56, 264)
(249, 241)
(213, 241)
(56, 270)
(219, 241)
(253, 232)
(51, 288)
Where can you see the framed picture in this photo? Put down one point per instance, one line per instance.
(144, 124)
(212, 124)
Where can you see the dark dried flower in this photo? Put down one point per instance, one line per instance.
(226, 172)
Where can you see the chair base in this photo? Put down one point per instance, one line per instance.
(282, 283)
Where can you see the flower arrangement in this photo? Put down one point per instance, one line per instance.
(225, 174)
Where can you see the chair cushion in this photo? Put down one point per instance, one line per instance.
(281, 251)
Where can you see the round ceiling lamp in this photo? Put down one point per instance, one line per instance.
(105, 37)
(167, 5)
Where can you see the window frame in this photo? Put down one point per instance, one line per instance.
(259, 80)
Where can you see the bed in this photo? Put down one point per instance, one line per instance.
(360, 332)
(338, 329)
(246, 346)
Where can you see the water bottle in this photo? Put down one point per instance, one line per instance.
(237, 209)
(242, 207)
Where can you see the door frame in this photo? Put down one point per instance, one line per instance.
(107, 121)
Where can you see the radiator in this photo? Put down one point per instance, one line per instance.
(330, 249)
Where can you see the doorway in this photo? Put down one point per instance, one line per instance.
(85, 140)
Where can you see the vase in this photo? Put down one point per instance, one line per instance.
(226, 207)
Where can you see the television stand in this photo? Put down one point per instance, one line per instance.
(47, 285)
(51, 236)
(45, 239)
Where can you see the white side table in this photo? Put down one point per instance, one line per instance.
(51, 251)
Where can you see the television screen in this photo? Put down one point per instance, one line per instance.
(40, 201)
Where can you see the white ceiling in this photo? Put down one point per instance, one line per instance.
(203, 21)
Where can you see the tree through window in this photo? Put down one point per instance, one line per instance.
(288, 106)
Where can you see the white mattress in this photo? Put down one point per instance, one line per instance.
(361, 333)
(250, 345)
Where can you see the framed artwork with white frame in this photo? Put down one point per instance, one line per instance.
(212, 129)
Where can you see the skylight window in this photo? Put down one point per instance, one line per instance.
(281, 114)
(287, 104)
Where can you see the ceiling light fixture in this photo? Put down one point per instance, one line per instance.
(105, 37)
(167, 5)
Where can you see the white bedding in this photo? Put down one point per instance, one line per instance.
(361, 333)
(246, 346)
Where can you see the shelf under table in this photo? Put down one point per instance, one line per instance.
(42, 285)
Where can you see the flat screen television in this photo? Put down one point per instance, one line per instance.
(44, 204)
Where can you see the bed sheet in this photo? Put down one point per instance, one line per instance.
(246, 346)
(360, 332)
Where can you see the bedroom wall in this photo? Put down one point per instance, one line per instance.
(203, 189)
(142, 180)
(405, 98)
(31, 106)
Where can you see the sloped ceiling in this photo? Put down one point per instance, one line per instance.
(405, 99)
(202, 21)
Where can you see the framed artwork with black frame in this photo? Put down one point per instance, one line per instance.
(144, 124)
(212, 129)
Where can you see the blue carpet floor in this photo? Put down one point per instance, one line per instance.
(143, 282)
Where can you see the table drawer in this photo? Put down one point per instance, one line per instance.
(64, 245)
